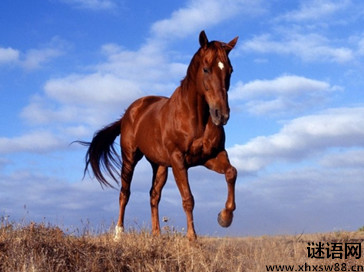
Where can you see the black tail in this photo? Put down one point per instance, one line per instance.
(102, 156)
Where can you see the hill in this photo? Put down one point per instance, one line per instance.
(41, 247)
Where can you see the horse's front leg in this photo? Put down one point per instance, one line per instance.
(160, 174)
(180, 174)
(221, 164)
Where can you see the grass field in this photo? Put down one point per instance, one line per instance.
(42, 247)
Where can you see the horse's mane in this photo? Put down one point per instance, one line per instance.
(191, 71)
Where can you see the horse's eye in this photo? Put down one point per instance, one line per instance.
(206, 70)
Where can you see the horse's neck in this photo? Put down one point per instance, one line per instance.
(202, 110)
(194, 104)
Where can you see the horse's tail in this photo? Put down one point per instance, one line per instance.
(101, 154)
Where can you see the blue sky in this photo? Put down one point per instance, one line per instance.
(296, 131)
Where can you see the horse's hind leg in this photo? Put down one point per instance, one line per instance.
(222, 165)
(160, 174)
(127, 170)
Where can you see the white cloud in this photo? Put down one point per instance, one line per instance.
(8, 55)
(70, 120)
(185, 20)
(35, 58)
(4, 162)
(54, 200)
(315, 10)
(274, 106)
(304, 200)
(34, 142)
(283, 94)
(360, 49)
(92, 90)
(302, 137)
(283, 85)
(92, 4)
(202, 13)
(42, 111)
(309, 47)
(310, 33)
(87, 100)
(149, 66)
(344, 159)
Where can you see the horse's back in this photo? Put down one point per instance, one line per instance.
(143, 105)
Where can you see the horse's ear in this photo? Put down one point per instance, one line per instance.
(203, 39)
(231, 44)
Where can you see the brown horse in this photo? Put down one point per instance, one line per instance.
(182, 131)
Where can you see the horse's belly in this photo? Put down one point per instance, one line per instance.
(149, 142)
(157, 155)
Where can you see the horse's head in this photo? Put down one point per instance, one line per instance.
(213, 76)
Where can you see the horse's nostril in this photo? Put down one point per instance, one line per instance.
(219, 117)
(216, 116)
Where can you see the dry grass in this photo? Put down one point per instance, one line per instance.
(41, 247)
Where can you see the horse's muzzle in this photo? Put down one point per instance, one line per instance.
(217, 117)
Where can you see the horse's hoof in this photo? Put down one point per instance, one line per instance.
(118, 232)
(225, 218)
(192, 237)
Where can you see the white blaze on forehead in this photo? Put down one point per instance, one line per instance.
(221, 65)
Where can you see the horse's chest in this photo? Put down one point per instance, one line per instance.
(205, 146)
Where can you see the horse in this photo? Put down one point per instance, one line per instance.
(182, 131)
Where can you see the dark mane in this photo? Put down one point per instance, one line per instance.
(191, 71)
